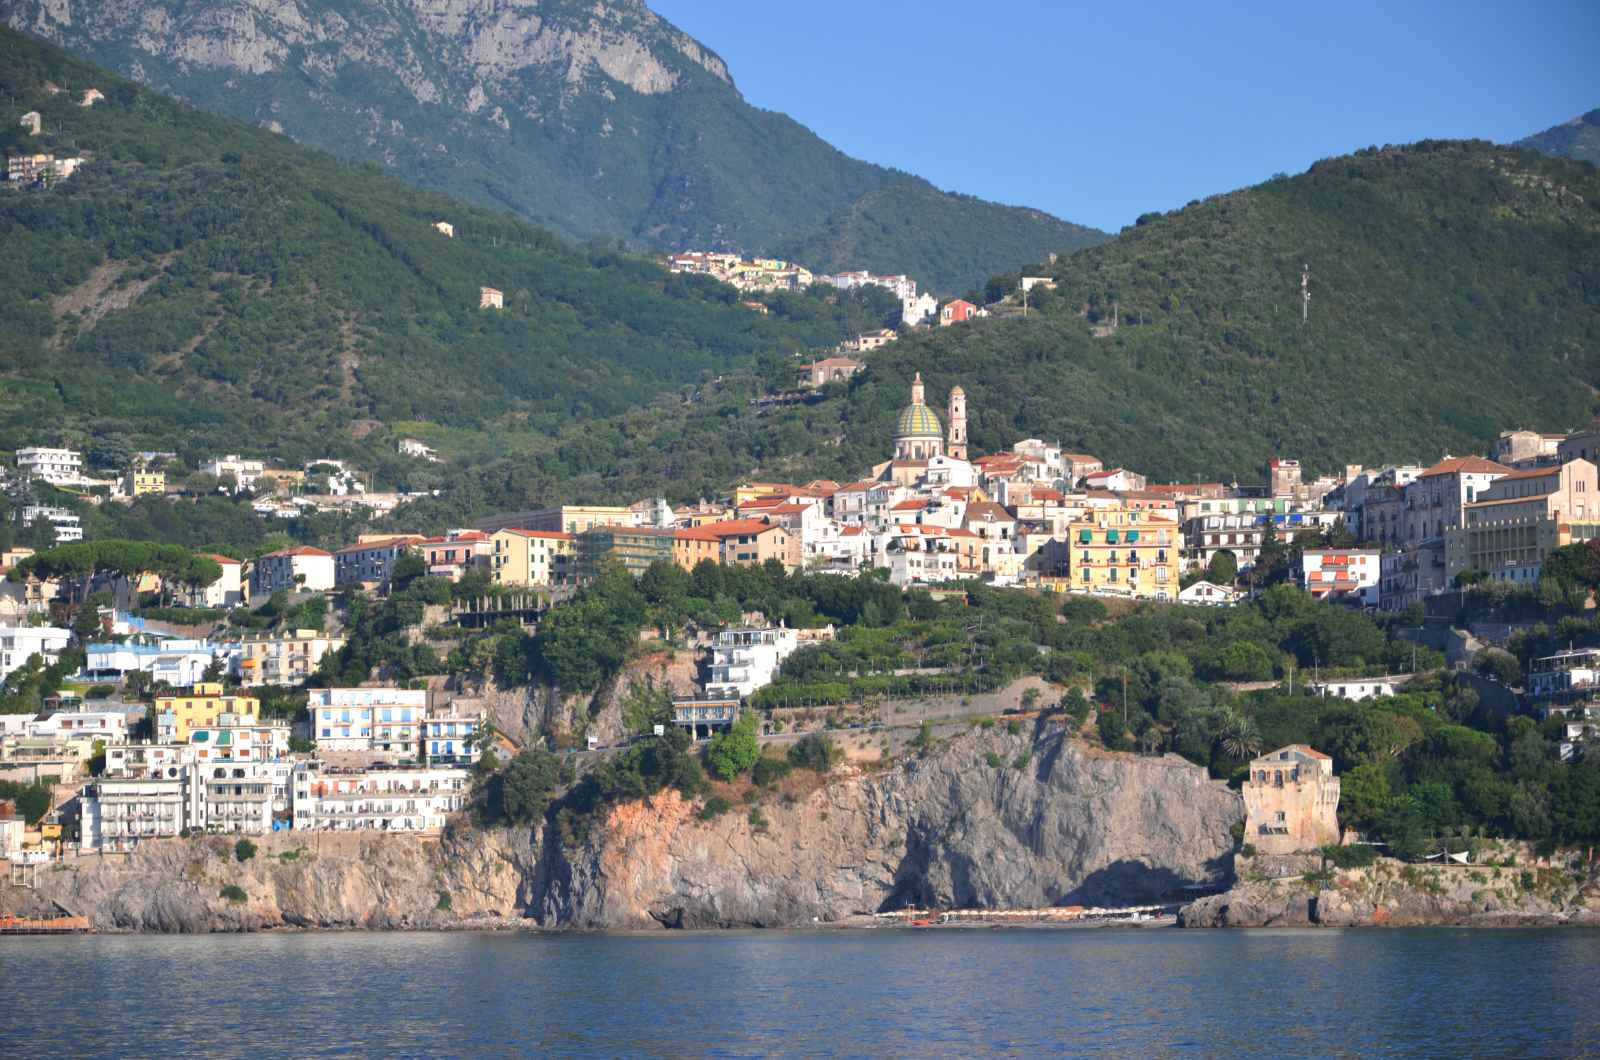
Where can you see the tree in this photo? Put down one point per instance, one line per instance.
(815, 752)
(734, 750)
(527, 786)
(1363, 794)
(1502, 666)
(1223, 568)
(1238, 736)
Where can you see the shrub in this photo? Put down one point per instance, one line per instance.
(1248, 850)
(817, 753)
(99, 691)
(769, 770)
(735, 750)
(1022, 761)
(994, 760)
(1014, 727)
(244, 850)
(1351, 857)
(715, 807)
(234, 893)
(757, 819)
(443, 905)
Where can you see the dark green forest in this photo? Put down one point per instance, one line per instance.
(695, 166)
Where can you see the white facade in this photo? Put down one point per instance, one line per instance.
(226, 591)
(293, 569)
(120, 812)
(243, 472)
(450, 737)
(381, 800)
(1355, 688)
(237, 797)
(1207, 594)
(744, 660)
(19, 643)
(59, 467)
(108, 725)
(1351, 573)
(176, 662)
(67, 525)
(383, 721)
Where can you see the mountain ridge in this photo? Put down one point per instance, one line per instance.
(594, 119)
(1578, 139)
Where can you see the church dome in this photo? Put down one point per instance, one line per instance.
(918, 421)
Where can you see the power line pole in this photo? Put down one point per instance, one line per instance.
(1305, 293)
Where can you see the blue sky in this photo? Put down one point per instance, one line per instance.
(1103, 111)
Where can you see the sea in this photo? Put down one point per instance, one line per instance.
(890, 993)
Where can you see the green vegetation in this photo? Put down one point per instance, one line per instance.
(33, 800)
(736, 749)
(696, 166)
(714, 807)
(234, 893)
(444, 904)
(175, 564)
(650, 765)
(814, 751)
(244, 850)
(524, 791)
(278, 297)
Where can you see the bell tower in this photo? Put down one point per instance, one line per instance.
(957, 449)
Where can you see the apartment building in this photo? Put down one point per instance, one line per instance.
(1123, 552)
(451, 736)
(1349, 574)
(384, 722)
(118, 813)
(284, 657)
(59, 467)
(18, 644)
(1521, 518)
(634, 547)
(1435, 502)
(370, 561)
(532, 558)
(205, 705)
(292, 570)
(377, 800)
(743, 660)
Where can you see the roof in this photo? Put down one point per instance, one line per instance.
(298, 550)
(546, 535)
(988, 510)
(910, 505)
(697, 533)
(1465, 465)
(1106, 473)
(224, 560)
(735, 527)
(1080, 457)
(918, 421)
(837, 362)
(1534, 472)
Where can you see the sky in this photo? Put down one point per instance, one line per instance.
(1100, 112)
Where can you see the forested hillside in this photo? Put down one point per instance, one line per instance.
(1455, 293)
(594, 119)
(206, 287)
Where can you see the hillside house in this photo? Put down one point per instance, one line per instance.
(491, 298)
(1291, 801)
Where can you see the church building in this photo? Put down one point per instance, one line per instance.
(918, 435)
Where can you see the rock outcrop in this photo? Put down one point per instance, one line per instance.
(989, 820)
(1393, 894)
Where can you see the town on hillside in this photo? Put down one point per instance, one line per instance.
(175, 739)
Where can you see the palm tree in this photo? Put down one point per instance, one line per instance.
(1240, 738)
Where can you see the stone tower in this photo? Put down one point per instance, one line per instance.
(957, 449)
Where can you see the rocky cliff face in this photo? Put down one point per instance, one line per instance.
(594, 117)
(1068, 824)
(1393, 894)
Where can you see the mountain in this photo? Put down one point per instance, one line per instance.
(1578, 138)
(596, 119)
(202, 286)
(1455, 293)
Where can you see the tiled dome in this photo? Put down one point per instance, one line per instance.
(918, 421)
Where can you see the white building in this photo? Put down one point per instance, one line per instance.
(120, 812)
(291, 570)
(450, 736)
(381, 800)
(1355, 688)
(111, 726)
(1352, 574)
(382, 721)
(59, 467)
(243, 472)
(413, 447)
(918, 308)
(1565, 675)
(286, 657)
(177, 662)
(227, 591)
(19, 643)
(237, 797)
(66, 524)
(134, 760)
(239, 738)
(743, 660)
(1207, 594)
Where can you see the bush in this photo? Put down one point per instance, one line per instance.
(757, 819)
(715, 807)
(1351, 857)
(1022, 761)
(1248, 850)
(735, 750)
(234, 893)
(443, 905)
(817, 753)
(244, 850)
(523, 792)
(769, 770)
(994, 760)
(99, 691)
(1014, 727)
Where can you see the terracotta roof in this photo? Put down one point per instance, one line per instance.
(224, 560)
(1533, 472)
(697, 533)
(836, 362)
(298, 550)
(987, 510)
(788, 509)
(911, 505)
(1465, 465)
(1080, 457)
(735, 527)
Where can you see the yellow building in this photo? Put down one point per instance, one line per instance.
(1120, 551)
(179, 715)
(286, 657)
(525, 558)
(576, 518)
(140, 481)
